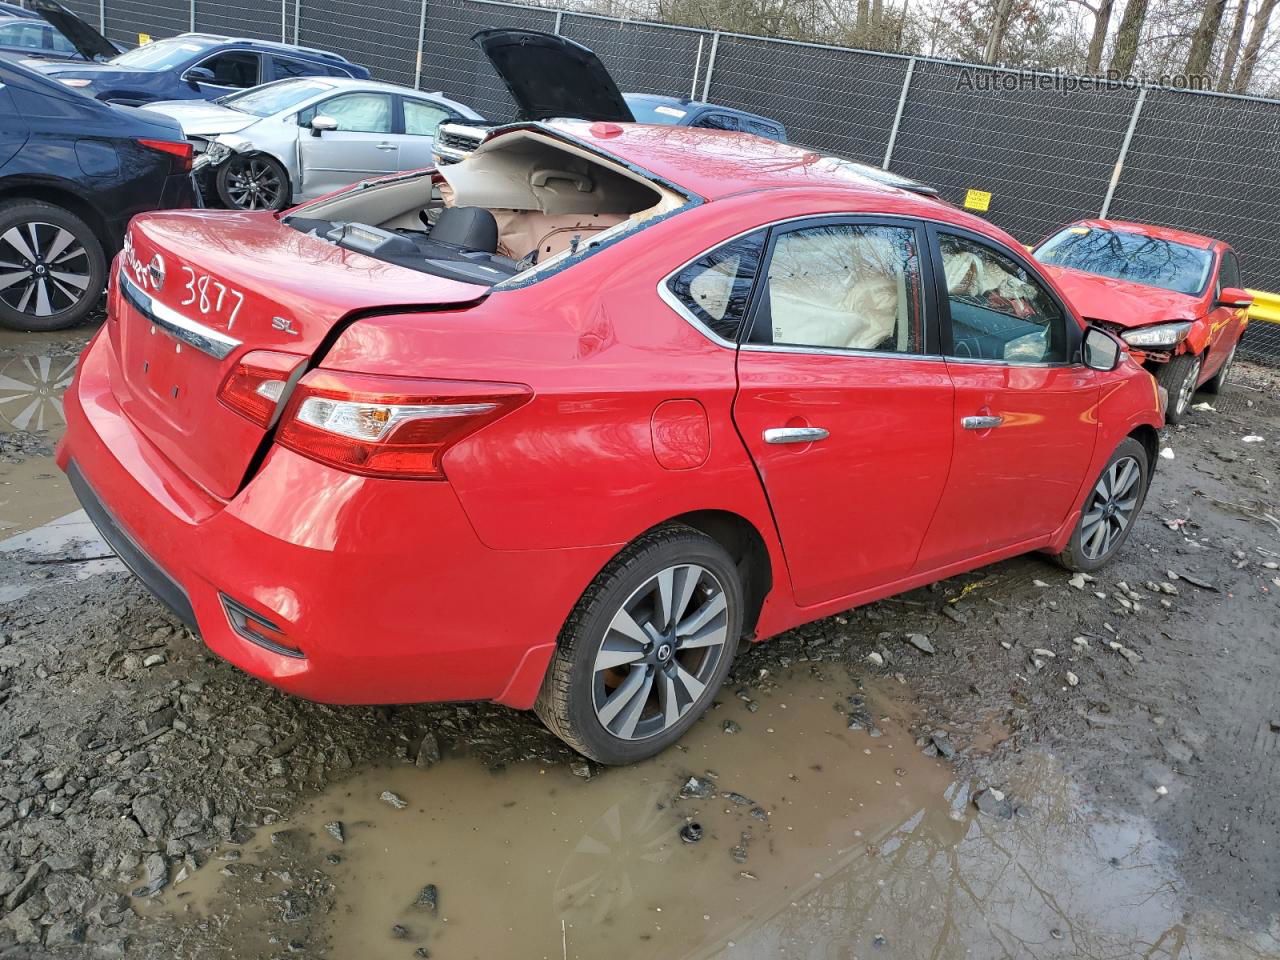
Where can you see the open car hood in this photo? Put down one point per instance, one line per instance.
(89, 43)
(551, 76)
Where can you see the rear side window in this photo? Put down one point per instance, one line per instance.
(764, 129)
(422, 118)
(843, 286)
(999, 311)
(285, 68)
(717, 121)
(716, 287)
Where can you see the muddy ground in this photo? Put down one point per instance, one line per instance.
(1076, 770)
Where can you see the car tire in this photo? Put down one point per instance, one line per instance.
(254, 181)
(617, 700)
(1215, 383)
(1179, 377)
(66, 287)
(1100, 532)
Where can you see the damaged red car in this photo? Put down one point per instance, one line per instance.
(562, 424)
(1174, 297)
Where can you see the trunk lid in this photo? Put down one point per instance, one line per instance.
(89, 43)
(551, 76)
(196, 291)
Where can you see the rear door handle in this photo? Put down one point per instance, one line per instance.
(795, 434)
(981, 423)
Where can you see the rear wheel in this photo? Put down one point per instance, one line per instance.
(1215, 383)
(52, 268)
(1110, 510)
(1179, 377)
(254, 182)
(646, 648)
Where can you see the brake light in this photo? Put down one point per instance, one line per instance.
(390, 426)
(254, 387)
(180, 150)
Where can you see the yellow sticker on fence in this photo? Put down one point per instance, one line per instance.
(144, 38)
(977, 200)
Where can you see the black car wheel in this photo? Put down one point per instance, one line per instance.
(1180, 378)
(1110, 509)
(52, 268)
(255, 182)
(646, 648)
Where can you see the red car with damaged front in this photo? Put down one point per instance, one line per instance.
(1174, 297)
(561, 424)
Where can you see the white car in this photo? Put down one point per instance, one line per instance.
(292, 140)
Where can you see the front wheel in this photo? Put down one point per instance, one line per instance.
(646, 648)
(1179, 378)
(1110, 509)
(254, 182)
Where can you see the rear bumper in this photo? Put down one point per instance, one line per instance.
(382, 584)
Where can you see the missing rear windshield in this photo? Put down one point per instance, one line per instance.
(518, 207)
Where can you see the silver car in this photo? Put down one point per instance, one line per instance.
(293, 140)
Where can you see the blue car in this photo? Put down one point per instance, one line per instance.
(190, 66)
(676, 111)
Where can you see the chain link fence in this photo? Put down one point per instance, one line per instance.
(1046, 150)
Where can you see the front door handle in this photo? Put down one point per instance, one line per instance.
(981, 423)
(386, 146)
(795, 434)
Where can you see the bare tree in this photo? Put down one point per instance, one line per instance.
(1130, 32)
(995, 37)
(1249, 59)
(1203, 39)
(1232, 52)
(1101, 23)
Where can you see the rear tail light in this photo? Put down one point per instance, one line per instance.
(390, 426)
(255, 386)
(180, 150)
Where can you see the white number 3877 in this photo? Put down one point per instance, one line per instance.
(212, 296)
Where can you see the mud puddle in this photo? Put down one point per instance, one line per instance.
(35, 370)
(818, 839)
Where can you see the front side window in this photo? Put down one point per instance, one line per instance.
(235, 68)
(998, 310)
(422, 118)
(355, 112)
(844, 286)
(1125, 255)
(715, 288)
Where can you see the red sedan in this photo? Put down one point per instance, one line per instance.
(1174, 297)
(559, 425)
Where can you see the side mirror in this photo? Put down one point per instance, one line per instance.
(1235, 297)
(320, 123)
(198, 75)
(1100, 350)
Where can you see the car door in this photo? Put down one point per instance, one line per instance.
(1025, 409)
(843, 403)
(363, 144)
(232, 70)
(1224, 322)
(420, 118)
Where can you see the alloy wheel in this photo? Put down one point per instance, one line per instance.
(660, 651)
(1187, 389)
(1226, 366)
(1111, 508)
(253, 184)
(44, 269)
